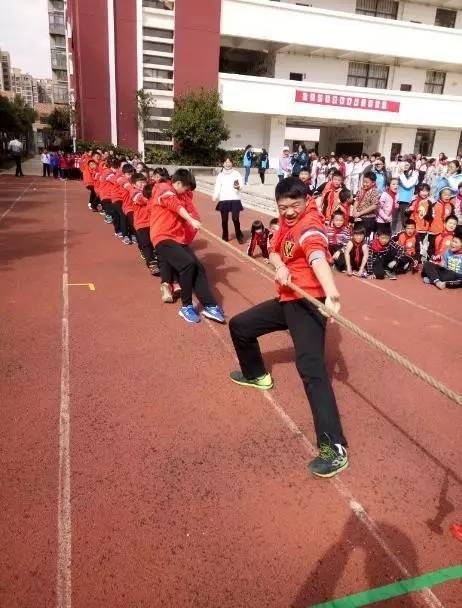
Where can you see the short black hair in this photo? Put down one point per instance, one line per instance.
(451, 217)
(345, 195)
(339, 212)
(137, 177)
(424, 186)
(147, 190)
(458, 232)
(128, 169)
(290, 187)
(370, 175)
(337, 173)
(358, 228)
(409, 223)
(185, 178)
(305, 169)
(383, 229)
(274, 221)
(115, 163)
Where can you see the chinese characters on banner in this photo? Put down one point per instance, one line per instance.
(347, 101)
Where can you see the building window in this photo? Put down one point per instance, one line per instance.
(371, 75)
(157, 124)
(395, 150)
(165, 5)
(153, 73)
(387, 9)
(405, 87)
(445, 17)
(56, 19)
(295, 76)
(424, 142)
(161, 47)
(158, 60)
(158, 86)
(156, 136)
(155, 112)
(434, 82)
(154, 32)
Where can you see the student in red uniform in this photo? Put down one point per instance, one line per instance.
(105, 188)
(140, 196)
(299, 253)
(124, 184)
(89, 170)
(168, 217)
(119, 220)
(443, 240)
(258, 238)
(441, 210)
(353, 258)
(330, 195)
(421, 211)
(409, 240)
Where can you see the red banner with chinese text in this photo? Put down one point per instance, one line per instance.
(347, 101)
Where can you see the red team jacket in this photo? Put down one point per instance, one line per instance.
(295, 245)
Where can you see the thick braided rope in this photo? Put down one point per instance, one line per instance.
(355, 329)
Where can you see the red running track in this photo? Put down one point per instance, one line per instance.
(186, 490)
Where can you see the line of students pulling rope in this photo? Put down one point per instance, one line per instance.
(160, 216)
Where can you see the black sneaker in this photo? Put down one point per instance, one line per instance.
(332, 459)
(240, 239)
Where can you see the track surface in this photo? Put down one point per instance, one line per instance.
(187, 490)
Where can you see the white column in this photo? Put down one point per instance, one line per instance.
(277, 133)
(139, 63)
(112, 70)
(446, 141)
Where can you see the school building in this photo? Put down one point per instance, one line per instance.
(344, 75)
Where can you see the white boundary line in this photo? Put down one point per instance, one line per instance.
(11, 207)
(427, 597)
(64, 562)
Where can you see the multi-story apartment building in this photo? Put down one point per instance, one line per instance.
(24, 85)
(57, 30)
(43, 90)
(344, 75)
(5, 62)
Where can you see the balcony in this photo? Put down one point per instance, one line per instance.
(327, 103)
(356, 36)
(57, 28)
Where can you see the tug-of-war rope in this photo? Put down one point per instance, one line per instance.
(355, 329)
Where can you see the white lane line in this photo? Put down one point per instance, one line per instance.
(414, 304)
(63, 579)
(11, 207)
(426, 597)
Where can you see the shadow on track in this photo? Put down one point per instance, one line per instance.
(321, 584)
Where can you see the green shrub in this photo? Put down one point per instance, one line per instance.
(82, 146)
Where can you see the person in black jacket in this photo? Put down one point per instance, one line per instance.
(263, 164)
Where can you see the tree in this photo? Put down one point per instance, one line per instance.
(198, 124)
(60, 119)
(144, 102)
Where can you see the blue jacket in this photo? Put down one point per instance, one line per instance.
(406, 187)
(248, 157)
(452, 261)
(381, 181)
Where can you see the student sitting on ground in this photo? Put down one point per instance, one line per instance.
(449, 272)
(353, 258)
(386, 258)
(168, 215)
(258, 238)
(338, 234)
(443, 240)
(409, 240)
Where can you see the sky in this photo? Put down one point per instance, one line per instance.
(24, 33)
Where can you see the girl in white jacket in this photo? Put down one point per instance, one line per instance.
(227, 196)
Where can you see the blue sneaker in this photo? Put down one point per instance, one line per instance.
(215, 313)
(107, 219)
(189, 314)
